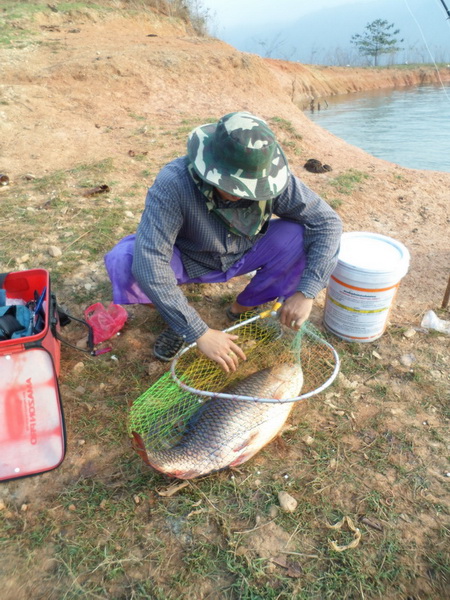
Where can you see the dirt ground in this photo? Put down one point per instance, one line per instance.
(91, 98)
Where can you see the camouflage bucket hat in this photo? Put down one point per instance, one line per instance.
(240, 155)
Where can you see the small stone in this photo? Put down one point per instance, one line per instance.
(24, 507)
(78, 367)
(407, 360)
(50, 564)
(409, 333)
(72, 507)
(102, 386)
(136, 499)
(80, 390)
(257, 483)
(273, 511)
(153, 368)
(31, 209)
(23, 259)
(376, 355)
(436, 374)
(129, 214)
(287, 502)
(308, 440)
(346, 383)
(2, 505)
(81, 442)
(396, 411)
(82, 343)
(55, 251)
(333, 463)
(29, 177)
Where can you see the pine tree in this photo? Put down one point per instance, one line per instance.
(377, 39)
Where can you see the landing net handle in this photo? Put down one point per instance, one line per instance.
(273, 312)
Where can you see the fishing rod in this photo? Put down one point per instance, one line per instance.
(445, 8)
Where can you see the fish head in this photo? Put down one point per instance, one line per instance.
(290, 376)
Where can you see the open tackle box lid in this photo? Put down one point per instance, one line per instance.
(32, 431)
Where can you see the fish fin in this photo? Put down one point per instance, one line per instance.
(137, 443)
(251, 451)
(175, 473)
(242, 458)
(192, 474)
(251, 438)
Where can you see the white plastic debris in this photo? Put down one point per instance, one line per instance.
(432, 321)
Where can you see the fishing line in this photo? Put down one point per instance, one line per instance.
(428, 48)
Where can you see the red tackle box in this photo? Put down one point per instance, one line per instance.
(32, 431)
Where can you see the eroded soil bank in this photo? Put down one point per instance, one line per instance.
(310, 82)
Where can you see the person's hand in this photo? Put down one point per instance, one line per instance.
(220, 347)
(296, 310)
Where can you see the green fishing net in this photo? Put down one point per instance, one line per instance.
(160, 415)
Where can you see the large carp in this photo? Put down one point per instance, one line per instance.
(227, 432)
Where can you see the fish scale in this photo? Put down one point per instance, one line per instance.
(228, 432)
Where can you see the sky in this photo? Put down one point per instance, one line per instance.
(225, 13)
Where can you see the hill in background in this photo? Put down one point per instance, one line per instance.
(323, 37)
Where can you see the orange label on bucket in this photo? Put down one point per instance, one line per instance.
(360, 289)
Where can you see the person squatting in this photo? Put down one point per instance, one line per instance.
(209, 217)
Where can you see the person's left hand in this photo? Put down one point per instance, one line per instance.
(296, 310)
(221, 347)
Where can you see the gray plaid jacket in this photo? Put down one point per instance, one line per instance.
(176, 214)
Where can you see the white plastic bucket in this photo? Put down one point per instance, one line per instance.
(363, 285)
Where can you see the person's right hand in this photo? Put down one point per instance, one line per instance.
(220, 347)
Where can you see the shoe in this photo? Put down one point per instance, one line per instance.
(167, 345)
(232, 316)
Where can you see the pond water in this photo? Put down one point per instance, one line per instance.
(407, 126)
